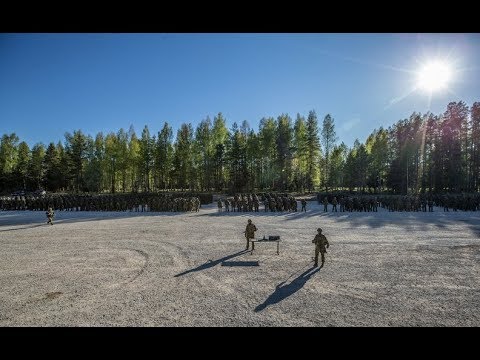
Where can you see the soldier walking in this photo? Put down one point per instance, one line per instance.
(320, 242)
(50, 214)
(250, 232)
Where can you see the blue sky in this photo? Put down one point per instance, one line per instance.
(54, 83)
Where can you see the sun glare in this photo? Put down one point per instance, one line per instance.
(434, 76)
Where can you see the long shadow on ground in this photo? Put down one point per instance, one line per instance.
(283, 291)
(16, 218)
(212, 263)
(25, 227)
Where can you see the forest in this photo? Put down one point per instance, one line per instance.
(426, 153)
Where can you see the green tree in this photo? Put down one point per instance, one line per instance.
(203, 153)
(300, 155)
(164, 155)
(253, 156)
(337, 161)
(312, 151)
(134, 158)
(329, 138)
(35, 168)
(284, 150)
(147, 145)
(183, 157)
(111, 160)
(8, 161)
(220, 136)
(52, 169)
(475, 146)
(22, 163)
(237, 160)
(267, 134)
(76, 149)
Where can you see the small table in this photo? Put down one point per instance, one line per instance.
(265, 240)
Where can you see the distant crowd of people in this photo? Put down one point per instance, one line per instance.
(103, 202)
(251, 202)
(425, 203)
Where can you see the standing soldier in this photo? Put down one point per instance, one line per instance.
(50, 214)
(219, 203)
(320, 241)
(430, 205)
(325, 204)
(250, 232)
(334, 203)
(304, 205)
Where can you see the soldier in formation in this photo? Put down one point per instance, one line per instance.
(104, 202)
(325, 204)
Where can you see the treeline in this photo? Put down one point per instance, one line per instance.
(425, 153)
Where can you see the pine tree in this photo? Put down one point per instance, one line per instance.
(312, 151)
(164, 155)
(204, 153)
(236, 158)
(329, 138)
(35, 168)
(300, 154)
(475, 146)
(52, 169)
(183, 157)
(219, 139)
(284, 150)
(76, 146)
(146, 157)
(267, 134)
(21, 169)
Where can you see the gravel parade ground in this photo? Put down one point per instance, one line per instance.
(191, 269)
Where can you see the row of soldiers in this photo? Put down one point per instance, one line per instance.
(111, 202)
(251, 202)
(422, 202)
(240, 202)
(350, 203)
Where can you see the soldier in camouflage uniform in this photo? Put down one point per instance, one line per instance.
(334, 203)
(320, 241)
(250, 232)
(50, 214)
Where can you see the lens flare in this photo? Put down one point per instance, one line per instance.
(434, 76)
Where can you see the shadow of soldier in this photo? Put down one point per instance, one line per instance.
(212, 263)
(25, 227)
(283, 291)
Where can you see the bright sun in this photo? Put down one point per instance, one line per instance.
(434, 76)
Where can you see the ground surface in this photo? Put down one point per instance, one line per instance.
(172, 269)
